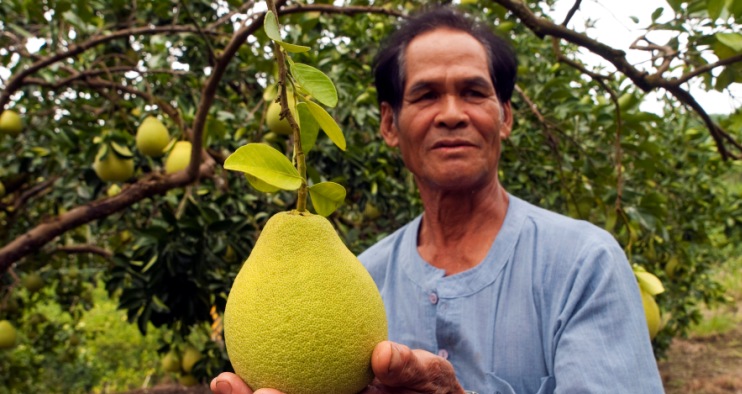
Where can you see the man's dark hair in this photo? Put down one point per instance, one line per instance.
(389, 62)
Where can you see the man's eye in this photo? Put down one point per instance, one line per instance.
(424, 96)
(474, 94)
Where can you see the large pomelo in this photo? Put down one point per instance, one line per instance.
(303, 315)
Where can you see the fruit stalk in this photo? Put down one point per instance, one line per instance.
(301, 166)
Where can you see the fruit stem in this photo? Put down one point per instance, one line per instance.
(301, 166)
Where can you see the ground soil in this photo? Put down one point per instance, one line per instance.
(704, 365)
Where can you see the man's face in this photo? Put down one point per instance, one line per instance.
(451, 123)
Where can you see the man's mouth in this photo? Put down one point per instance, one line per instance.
(452, 143)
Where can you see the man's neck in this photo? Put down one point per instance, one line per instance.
(458, 229)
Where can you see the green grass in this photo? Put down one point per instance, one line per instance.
(720, 319)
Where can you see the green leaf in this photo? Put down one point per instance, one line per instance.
(675, 4)
(270, 25)
(326, 197)
(736, 8)
(270, 93)
(266, 164)
(309, 127)
(316, 83)
(715, 7)
(260, 185)
(121, 151)
(657, 13)
(328, 124)
(732, 40)
(725, 78)
(293, 48)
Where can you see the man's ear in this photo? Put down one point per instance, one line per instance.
(507, 121)
(388, 127)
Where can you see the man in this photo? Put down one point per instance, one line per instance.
(496, 295)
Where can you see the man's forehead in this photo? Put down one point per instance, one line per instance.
(445, 38)
(444, 48)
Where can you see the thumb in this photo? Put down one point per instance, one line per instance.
(396, 365)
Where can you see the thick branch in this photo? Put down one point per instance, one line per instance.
(43, 233)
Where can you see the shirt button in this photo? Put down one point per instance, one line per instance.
(433, 298)
(443, 353)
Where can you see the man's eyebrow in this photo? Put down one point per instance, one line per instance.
(478, 82)
(419, 86)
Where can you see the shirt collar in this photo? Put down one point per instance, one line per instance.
(475, 279)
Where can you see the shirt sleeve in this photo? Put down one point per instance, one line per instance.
(600, 338)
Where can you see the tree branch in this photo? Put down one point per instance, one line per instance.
(16, 81)
(571, 13)
(331, 9)
(74, 249)
(43, 233)
(706, 68)
(646, 82)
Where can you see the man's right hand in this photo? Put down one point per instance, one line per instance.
(398, 370)
(401, 370)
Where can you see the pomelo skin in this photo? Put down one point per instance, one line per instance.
(179, 157)
(303, 315)
(152, 137)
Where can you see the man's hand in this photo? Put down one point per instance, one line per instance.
(229, 383)
(398, 370)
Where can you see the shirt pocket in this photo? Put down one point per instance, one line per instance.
(496, 385)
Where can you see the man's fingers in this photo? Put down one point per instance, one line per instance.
(397, 366)
(229, 383)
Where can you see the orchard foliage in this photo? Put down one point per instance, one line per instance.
(84, 75)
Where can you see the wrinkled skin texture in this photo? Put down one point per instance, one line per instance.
(398, 370)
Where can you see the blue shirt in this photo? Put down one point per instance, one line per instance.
(553, 308)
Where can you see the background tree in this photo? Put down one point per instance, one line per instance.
(84, 75)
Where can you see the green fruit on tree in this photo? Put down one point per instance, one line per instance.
(649, 286)
(152, 137)
(10, 123)
(178, 158)
(33, 282)
(171, 362)
(303, 315)
(191, 355)
(273, 117)
(8, 335)
(114, 164)
(652, 313)
(371, 212)
(188, 380)
(2, 189)
(113, 190)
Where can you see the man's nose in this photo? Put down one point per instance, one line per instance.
(451, 114)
